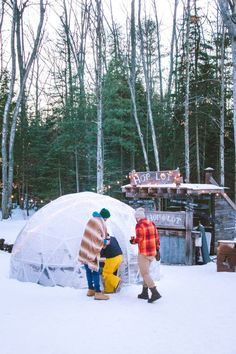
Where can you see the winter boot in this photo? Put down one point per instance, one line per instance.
(155, 295)
(91, 292)
(144, 294)
(101, 296)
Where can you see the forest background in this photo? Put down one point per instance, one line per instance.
(91, 90)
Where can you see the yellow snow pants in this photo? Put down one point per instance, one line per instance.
(111, 281)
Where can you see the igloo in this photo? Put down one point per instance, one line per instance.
(46, 250)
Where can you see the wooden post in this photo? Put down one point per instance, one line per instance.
(213, 231)
(188, 237)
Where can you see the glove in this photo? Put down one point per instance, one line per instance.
(158, 256)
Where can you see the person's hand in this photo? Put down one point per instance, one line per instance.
(158, 256)
(132, 240)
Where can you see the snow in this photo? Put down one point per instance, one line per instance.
(196, 314)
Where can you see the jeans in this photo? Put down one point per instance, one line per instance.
(93, 279)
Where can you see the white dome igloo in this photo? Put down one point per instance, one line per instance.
(46, 250)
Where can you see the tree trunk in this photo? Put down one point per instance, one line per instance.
(2, 12)
(228, 13)
(5, 123)
(8, 178)
(70, 106)
(222, 110)
(77, 169)
(186, 101)
(132, 83)
(196, 55)
(20, 97)
(173, 39)
(159, 51)
(59, 181)
(100, 164)
(148, 91)
(115, 36)
(234, 103)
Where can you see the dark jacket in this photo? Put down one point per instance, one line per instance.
(111, 250)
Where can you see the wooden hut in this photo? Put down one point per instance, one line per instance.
(177, 207)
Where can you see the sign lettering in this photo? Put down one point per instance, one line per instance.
(161, 177)
(167, 219)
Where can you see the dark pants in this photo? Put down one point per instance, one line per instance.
(93, 279)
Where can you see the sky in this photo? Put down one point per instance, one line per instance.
(121, 11)
(196, 314)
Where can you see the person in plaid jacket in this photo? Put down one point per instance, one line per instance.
(148, 241)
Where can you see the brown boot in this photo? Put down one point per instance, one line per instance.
(91, 292)
(101, 296)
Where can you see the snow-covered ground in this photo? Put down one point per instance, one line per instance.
(196, 314)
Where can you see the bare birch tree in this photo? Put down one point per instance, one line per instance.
(186, 100)
(172, 48)
(99, 71)
(70, 92)
(115, 35)
(8, 137)
(2, 12)
(76, 47)
(228, 13)
(132, 83)
(158, 50)
(196, 57)
(222, 109)
(148, 90)
(5, 123)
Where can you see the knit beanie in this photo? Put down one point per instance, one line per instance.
(105, 214)
(139, 213)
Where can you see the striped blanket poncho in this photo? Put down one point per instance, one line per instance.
(92, 242)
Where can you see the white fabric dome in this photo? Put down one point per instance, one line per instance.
(45, 251)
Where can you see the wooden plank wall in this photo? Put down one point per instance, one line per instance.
(173, 247)
(225, 217)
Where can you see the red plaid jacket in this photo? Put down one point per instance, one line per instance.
(147, 237)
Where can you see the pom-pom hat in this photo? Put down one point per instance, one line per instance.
(105, 214)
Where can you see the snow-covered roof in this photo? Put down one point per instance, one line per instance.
(198, 188)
